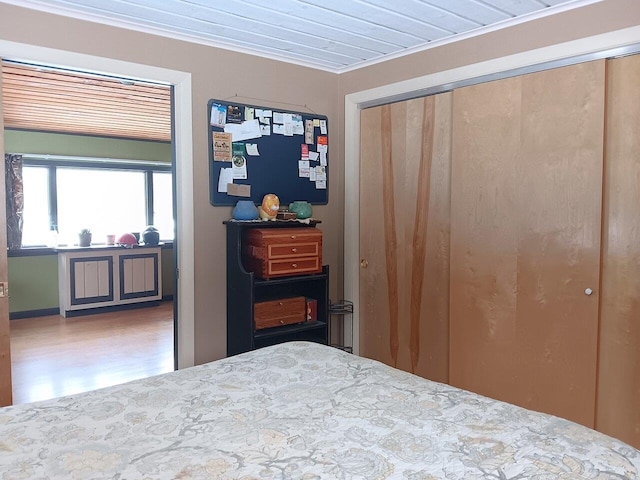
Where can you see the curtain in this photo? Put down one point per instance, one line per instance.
(15, 200)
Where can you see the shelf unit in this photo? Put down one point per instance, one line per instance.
(341, 320)
(244, 289)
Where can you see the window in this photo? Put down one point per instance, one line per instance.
(105, 201)
(108, 199)
(36, 226)
(163, 204)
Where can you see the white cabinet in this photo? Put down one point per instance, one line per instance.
(100, 277)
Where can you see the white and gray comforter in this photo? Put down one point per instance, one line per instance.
(298, 411)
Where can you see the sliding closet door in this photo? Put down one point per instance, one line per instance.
(404, 234)
(619, 370)
(525, 239)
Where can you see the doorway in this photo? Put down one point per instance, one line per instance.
(107, 140)
(181, 81)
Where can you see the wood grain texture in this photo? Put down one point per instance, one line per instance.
(390, 235)
(618, 405)
(5, 340)
(55, 356)
(413, 281)
(420, 225)
(526, 189)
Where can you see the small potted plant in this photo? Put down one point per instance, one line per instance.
(84, 237)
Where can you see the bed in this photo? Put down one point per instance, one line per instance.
(298, 411)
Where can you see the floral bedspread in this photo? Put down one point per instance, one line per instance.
(298, 411)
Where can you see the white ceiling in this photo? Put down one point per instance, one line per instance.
(332, 35)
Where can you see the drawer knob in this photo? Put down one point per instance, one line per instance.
(293, 237)
(294, 250)
(280, 303)
(294, 265)
(281, 322)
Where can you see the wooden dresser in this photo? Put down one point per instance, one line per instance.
(270, 253)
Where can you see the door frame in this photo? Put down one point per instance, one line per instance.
(589, 48)
(183, 145)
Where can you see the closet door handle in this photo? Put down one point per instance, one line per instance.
(588, 291)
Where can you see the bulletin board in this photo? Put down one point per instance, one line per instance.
(255, 150)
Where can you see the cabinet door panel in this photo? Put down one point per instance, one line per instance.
(79, 280)
(526, 210)
(150, 274)
(404, 234)
(104, 279)
(127, 276)
(137, 267)
(618, 411)
(91, 285)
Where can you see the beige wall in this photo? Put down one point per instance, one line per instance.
(222, 74)
(215, 73)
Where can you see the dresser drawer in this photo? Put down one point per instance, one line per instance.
(311, 249)
(278, 236)
(276, 313)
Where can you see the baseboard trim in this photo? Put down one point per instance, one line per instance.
(33, 313)
(88, 311)
(111, 308)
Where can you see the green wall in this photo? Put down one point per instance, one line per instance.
(33, 283)
(33, 280)
(20, 141)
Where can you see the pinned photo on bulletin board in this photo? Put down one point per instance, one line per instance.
(255, 150)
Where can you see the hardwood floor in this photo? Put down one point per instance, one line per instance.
(54, 356)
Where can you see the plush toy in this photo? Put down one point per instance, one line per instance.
(270, 206)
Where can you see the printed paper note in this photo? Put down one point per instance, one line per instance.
(303, 168)
(239, 167)
(218, 115)
(234, 114)
(221, 147)
(244, 131)
(308, 131)
(225, 178)
(298, 125)
(252, 149)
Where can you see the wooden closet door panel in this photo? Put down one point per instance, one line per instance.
(375, 323)
(559, 225)
(526, 204)
(618, 412)
(484, 238)
(404, 225)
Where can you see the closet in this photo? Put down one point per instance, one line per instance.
(530, 283)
